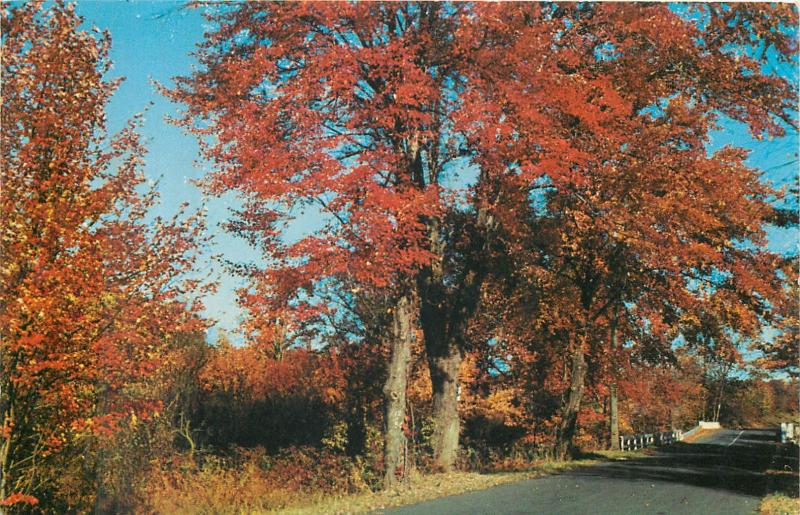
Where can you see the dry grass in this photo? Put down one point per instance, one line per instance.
(779, 504)
(212, 490)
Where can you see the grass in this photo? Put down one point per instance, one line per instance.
(779, 504)
(426, 487)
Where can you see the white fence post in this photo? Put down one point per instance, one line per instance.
(788, 432)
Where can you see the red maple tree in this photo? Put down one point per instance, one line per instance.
(360, 111)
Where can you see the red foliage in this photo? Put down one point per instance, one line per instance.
(353, 111)
(18, 498)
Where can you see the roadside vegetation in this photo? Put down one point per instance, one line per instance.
(783, 477)
(250, 492)
(779, 504)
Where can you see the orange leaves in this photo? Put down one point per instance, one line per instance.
(362, 109)
(5, 431)
(18, 498)
(91, 289)
(247, 373)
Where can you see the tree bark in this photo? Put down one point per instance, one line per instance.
(614, 414)
(395, 444)
(437, 307)
(5, 450)
(444, 361)
(445, 313)
(444, 324)
(570, 409)
(614, 418)
(7, 420)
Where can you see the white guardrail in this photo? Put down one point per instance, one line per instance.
(632, 442)
(629, 443)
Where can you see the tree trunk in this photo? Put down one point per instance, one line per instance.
(445, 362)
(395, 444)
(614, 418)
(443, 332)
(5, 450)
(570, 410)
(6, 425)
(718, 405)
(613, 388)
(437, 306)
(445, 312)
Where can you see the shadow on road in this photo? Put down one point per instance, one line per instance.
(760, 435)
(747, 462)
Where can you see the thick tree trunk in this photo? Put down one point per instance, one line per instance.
(445, 363)
(442, 346)
(444, 355)
(613, 389)
(395, 444)
(570, 409)
(445, 312)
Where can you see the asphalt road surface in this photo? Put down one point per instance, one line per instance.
(722, 472)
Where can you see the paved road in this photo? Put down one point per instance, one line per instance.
(720, 473)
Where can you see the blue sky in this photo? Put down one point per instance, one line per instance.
(153, 41)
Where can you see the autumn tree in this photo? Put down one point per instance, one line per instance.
(643, 223)
(90, 288)
(358, 112)
(347, 110)
(781, 351)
